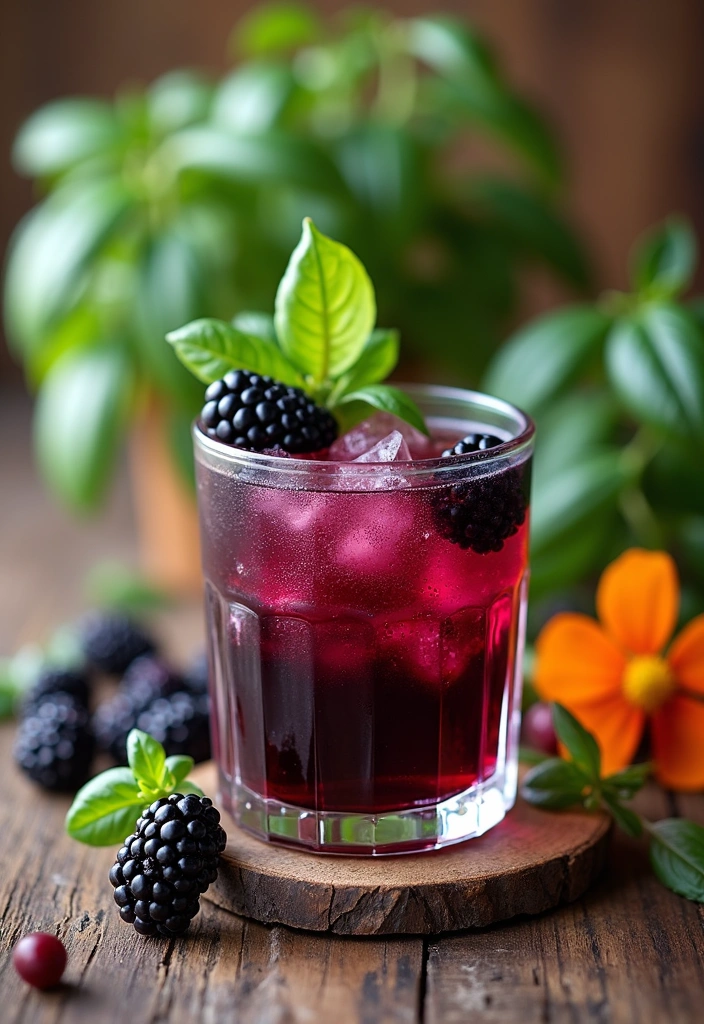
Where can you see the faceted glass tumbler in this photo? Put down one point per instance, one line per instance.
(365, 628)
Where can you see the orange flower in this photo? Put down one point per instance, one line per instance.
(614, 674)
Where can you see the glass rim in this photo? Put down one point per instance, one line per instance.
(511, 449)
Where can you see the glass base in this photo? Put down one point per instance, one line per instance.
(415, 830)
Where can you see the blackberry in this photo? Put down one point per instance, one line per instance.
(112, 723)
(167, 863)
(249, 411)
(149, 677)
(55, 745)
(111, 641)
(472, 443)
(58, 680)
(480, 513)
(180, 722)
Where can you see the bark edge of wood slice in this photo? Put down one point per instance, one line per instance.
(531, 862)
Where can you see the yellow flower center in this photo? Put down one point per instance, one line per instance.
(648, 682)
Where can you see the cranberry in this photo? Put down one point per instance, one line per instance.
(40, 959)
(538, 731)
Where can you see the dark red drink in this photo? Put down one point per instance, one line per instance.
(365, 631)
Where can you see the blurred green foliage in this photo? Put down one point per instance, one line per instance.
(617, 391)
(186, 199)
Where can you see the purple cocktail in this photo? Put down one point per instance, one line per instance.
(365, 621)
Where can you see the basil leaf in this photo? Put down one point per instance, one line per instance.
(554, 784)
(178, 99)
(376, 361)
(209, 348)
(656, 365)
(169, 291)
(51, 251)
(106, 809)
(542, 358)
(665, 258)
(583, 748)
(570, 500)
(255, 324)
(253, 97)
(531, 756)
(558, 564)
(325, 306)
(450, 47)
(677, 856)
(624, 817)
(64, 133)
(626, 783)
(146, 758)
(179, 765)
(388, 399)
(276, 28)
(253, 159)
(80, 415)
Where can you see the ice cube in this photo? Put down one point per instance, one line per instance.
(412, 648)
(378, 426)
(379, 476)
(392, 448)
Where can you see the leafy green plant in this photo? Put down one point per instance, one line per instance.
(322, 337)
(676, 845)
(617, 390)
(105, 810)
(185, 200)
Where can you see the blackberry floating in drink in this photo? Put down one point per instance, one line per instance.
(365, 624)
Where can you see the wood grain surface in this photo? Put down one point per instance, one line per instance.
(628, 952)
(533, 861)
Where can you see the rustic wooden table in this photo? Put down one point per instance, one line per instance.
(629, 952)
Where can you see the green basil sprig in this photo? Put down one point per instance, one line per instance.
(676, 845)
(322, 336)
(105, 810)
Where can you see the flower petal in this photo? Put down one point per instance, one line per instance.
(678, 743)
(686, 657)
(576, 661)
(637, 600)
(617, 727)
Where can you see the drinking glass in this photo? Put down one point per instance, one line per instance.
(365, 628)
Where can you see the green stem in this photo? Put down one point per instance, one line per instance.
(635, 508)
(637, 512)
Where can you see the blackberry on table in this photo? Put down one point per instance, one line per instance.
(113, 721)
(112, 641)
(167, 863)
(58, 680)
(180, 722)
(149, 677)
(55, 745)
(146, 679)
(255, 412)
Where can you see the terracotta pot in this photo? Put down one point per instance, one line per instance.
(165, 509)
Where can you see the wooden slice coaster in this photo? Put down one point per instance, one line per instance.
(531, 862)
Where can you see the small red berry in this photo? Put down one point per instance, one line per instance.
(40, 959)
(538, 730)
